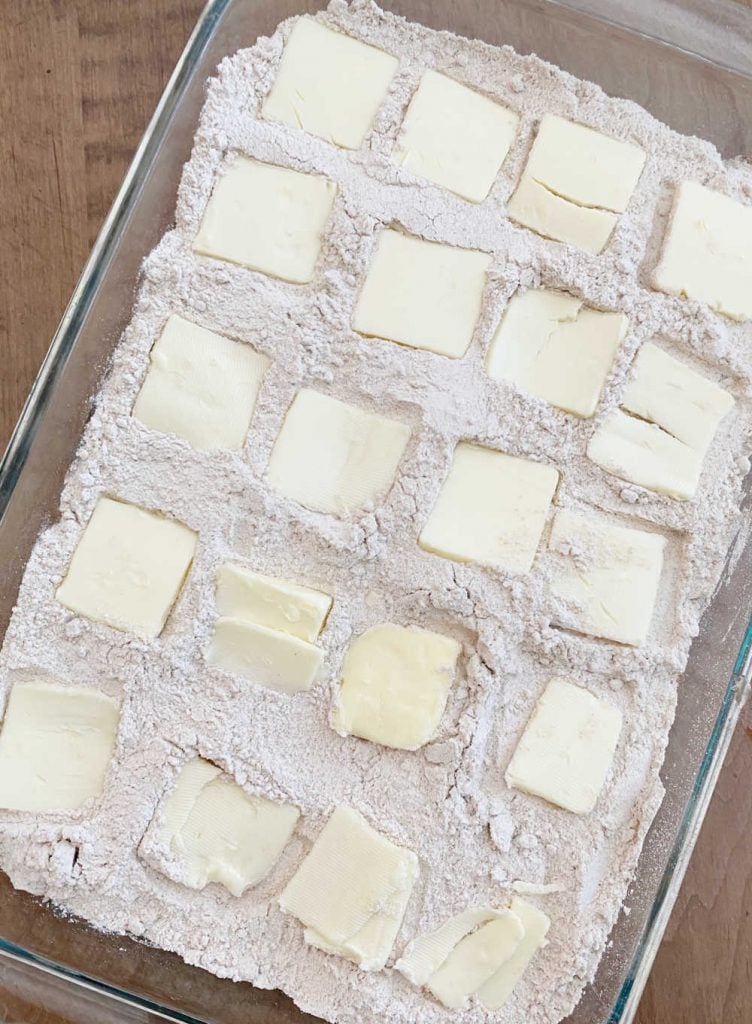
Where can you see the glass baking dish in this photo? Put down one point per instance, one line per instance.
(677, 65)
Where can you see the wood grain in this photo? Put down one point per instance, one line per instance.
(79, 80)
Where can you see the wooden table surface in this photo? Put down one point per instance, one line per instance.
(79, 80)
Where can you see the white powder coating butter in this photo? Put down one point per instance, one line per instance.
(448, 802)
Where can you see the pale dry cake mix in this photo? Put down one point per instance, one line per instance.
(349, 666)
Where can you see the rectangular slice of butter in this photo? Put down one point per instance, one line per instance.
(552, 346)
(607, 576)
(491, 509)
(425, 955)
(352, 889)
(265, 656)
(475, 959)
(270, 602)
(267, 218)
(128, 568)
(394, 686)
(646, 455)
(55, 746)
(497, 990)
(534, 206)
(707, 251)
(465, 958)
(200, 386)
(679, 412)
(333, 457)
(667, 392)
(566, 749)
(454, 136)
(329, 84)
(219, 833)
(422, 294)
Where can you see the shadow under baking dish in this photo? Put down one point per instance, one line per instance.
(63, 966)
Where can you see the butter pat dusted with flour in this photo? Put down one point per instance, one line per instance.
(669, 415)
(266, 629)
(475, 959)
(128, 568)
(454, 136)
(267, 218)
(200, 386)
(351, 891)
(329, 84)
(554, 347)
(333, 457)
(276, 604)
(213, 831)
(425, 295)
(426, 954)
(499, 987)
(478, 953)
(606, 577)
(707, 251)
(567, 747)
(575, 183)
(684, 403)
(55, 746)
(394, 686)
(491, 509)
(267, 657)
(644, 454)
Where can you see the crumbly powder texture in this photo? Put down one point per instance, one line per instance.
(448, 802)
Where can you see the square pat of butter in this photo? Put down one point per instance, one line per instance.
(352, 889)
(200, 386)
(491, 509)
(553, 346)
(128, 568)
(394, 685)
(606, 577)
(55, 746)
(213, 831)
(422, 294)
(707, 251)
(329, 84)
(574, 184)
(266, 218)
(566, 749)
(455, 137)
(333, 457)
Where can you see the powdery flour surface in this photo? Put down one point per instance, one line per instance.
(448, 802)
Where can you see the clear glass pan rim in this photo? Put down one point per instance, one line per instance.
(42, 393)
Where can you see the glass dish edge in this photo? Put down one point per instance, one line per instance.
(737, 691)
